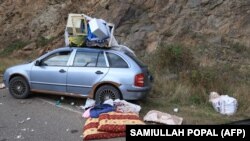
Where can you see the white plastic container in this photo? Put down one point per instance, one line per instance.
(98, 28)
(76, 22)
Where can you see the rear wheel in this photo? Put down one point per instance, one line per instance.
(106, 92)
(19, 87)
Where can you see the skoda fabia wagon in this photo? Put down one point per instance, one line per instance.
(82, 72)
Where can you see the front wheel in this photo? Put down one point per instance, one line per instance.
(19, 87)
(106, 92)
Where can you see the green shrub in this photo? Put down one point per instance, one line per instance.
(174, 58)
(42, 41)
(205, 77)
(15, 45)
(239, 48)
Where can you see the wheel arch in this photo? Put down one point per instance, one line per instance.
(98, 85)
(18, 74)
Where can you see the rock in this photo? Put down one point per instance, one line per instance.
(104, 3)
(215, 4)
(21, 122)
(152, 46)
(29, 47)
(193, 3)
(204, 2)
(149, 4)
(172, 21)
(24, 129)
(19, 137)
(215, 39)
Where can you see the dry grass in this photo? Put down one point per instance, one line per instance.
(8, 62)
(193, 104)
(189, 89)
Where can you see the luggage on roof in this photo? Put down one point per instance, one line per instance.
(85, 31)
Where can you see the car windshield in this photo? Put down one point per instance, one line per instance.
(133, 57)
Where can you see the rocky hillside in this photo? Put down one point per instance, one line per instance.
(140, 24)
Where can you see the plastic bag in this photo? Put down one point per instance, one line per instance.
(225, 104)
(89, 103)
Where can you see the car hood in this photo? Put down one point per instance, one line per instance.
(19, 67)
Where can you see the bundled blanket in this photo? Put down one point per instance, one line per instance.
(109, 125)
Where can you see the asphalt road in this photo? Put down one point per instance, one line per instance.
(39, 119)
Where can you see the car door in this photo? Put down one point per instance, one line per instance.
(50, 74)
(88, 68)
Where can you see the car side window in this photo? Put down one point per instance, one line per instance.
(116, 61)
(89, 59)
(57, 59)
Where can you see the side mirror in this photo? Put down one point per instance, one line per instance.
(37, 63)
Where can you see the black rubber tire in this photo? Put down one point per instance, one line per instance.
(19, 87)
(106, 92)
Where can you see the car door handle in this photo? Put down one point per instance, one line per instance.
(62, 71)
(99, 72)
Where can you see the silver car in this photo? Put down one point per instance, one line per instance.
(82, 72)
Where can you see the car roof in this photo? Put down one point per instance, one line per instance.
(119, 49)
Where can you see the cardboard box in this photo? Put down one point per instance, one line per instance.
(98, 28)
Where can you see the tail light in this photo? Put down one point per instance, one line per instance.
(139, 80)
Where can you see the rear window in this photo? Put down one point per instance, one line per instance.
(138, 62)
(116, 61)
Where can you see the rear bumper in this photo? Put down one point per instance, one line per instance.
(145, 89)
(134, 93)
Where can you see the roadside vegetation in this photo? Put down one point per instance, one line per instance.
(6, 59)
(6, 55)
(13, 46)
(184, 82)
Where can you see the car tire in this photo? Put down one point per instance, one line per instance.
(106, 92)
(19, 87)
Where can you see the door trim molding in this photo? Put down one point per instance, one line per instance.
(58, 93)
(45, 83)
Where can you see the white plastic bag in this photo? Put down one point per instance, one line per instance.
(228, 105)
(89, 103)
(225, 104)
(109, 101)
